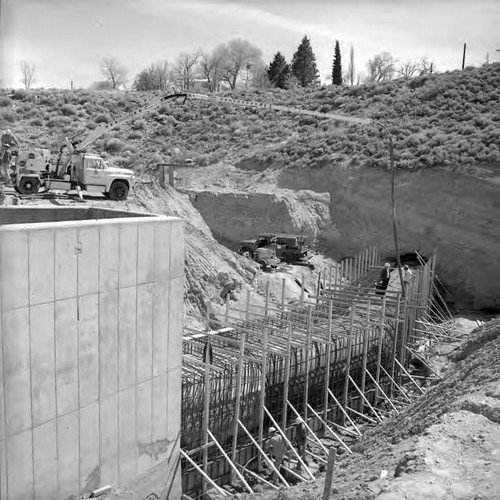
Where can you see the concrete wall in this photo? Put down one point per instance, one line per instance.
(90, 361)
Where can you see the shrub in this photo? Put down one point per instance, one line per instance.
(103, 118)
(8, 116)
(68, 110)
(4, 102)
(113, 145)
(139, 125)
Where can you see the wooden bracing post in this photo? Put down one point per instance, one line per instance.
(328, 359)
(230, 462)
(238, 398)
(348, 360)
(287, 375)
(330, 430)
(380, 342)
(410, 377)
(346, 415)
(262, 400)
(363, 397)
(205, 477)
(379, 388)
(308, 348)
(426, 363)
(398, 387)
(366, 331)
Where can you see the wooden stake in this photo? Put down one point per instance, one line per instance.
(283, 293)
(329, 474)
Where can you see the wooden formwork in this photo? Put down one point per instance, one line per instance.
(332, 359)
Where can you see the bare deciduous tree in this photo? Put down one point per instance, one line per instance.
(381, 68)
(185, 69)
(211, 67)
(408, 69)
(153, 77)
(426, 66)
(113, 71)
(238, 56)
(27, 74)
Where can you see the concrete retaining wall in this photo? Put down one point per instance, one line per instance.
(91, 319)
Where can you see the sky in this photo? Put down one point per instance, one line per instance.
(66, 39)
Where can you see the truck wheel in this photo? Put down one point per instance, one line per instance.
(248, 251)
(118, 190)
(28, 185)
(263, 264)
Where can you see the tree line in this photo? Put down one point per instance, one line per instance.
(238, 62)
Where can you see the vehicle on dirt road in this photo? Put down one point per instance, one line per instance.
(289, 248)
(34, 170)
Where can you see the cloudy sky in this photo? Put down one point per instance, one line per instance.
(65, 39)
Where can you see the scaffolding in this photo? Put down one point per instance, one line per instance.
(338, 359)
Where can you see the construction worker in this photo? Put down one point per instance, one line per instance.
(275, 447)
(8, 139)
(5, 159)
(385, 276)
(407, 277)
(301, 439)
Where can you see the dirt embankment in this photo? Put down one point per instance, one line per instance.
(348, 209)
(445, 446)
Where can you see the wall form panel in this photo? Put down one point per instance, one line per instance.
(90, 331)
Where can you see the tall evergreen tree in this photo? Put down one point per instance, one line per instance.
(337, 66)
(304, 64)
(279, 71)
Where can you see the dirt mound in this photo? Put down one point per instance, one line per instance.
(445, 446)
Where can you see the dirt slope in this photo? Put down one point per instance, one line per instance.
(446, 446)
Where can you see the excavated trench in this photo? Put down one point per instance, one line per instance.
(346, 210)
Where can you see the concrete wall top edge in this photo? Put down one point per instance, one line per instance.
(152, 219)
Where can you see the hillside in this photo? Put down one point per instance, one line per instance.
(447, 120)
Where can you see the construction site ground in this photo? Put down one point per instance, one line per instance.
(446, 445)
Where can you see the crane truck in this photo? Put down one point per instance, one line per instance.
(74, 168)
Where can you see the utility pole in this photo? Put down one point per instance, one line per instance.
(463, 57)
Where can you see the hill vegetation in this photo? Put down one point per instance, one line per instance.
(437, 120)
